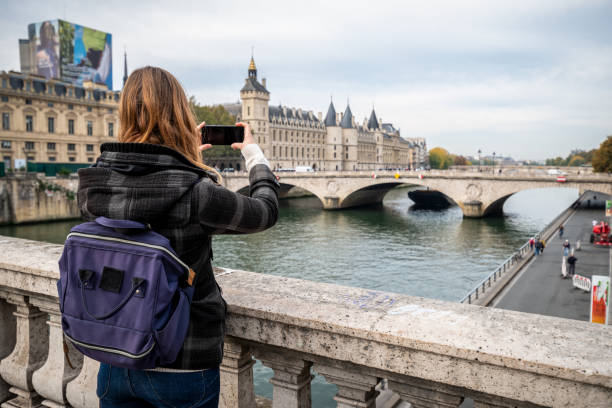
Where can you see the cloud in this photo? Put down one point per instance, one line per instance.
(532, 79)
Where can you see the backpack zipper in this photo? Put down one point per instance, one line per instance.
(110, 349)
(127, 241)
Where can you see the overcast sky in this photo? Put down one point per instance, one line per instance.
(531, 79)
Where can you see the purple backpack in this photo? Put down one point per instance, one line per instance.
(124, 294)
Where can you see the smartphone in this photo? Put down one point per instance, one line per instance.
(222, 134)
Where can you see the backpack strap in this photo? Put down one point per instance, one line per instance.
(135, 226)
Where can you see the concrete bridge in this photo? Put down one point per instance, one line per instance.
(478, 194)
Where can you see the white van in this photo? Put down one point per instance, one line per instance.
(303, 169)
(556, 172)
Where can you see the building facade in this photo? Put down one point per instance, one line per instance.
(52, 121)
(293, 137)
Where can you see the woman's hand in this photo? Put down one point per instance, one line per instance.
(248, 137)
(204, 146)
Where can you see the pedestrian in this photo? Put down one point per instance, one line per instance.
(571, 261)
(531, 243)
(538, 247)
(563, 268)
(542, 245)
(566, 248)
(561, 228)
(155, 174)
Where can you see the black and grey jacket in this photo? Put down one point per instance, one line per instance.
(158, 185)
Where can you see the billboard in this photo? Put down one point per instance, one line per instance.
(71, 52)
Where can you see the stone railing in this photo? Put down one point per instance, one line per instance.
(431, 353)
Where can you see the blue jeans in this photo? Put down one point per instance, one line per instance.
(123, 388)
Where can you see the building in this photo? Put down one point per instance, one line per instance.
(293, 137)
(53, 121)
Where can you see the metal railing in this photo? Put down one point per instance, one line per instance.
(516, 257)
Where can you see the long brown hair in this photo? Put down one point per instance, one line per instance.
(154, 109)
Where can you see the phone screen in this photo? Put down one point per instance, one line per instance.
(222, 134)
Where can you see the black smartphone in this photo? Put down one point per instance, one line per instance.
(222, 134)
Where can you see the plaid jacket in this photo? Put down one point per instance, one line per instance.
(158, 185)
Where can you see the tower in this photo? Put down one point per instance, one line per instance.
(255, 99)
(349, 140)
(333, 140)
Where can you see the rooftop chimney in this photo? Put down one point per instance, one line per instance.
(263, 82)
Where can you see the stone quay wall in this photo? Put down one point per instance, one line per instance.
(32, 198)
(431, 353)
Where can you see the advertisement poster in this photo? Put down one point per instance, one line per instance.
(72, 52)
(600, 298)
(608, 208)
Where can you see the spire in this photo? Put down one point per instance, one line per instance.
(330, 119)
(347, 118)
(373, 122)
(125, 74)
(252, 67)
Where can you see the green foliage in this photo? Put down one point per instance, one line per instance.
(214, 115)
(439, 158)
(576, 161)
(63, 172)
(602, 158)
(577, 157)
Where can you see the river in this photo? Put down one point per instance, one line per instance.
(436, 254)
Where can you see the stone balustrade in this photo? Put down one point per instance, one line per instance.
(431, 353)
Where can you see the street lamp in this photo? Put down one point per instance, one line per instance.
(493, 162)
(479, 151)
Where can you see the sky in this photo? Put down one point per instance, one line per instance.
(528, 79)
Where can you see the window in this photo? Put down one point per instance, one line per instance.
(51, 124)
(29, 145)
(347, 155)
(70, 106)
(29, 123)
(71, 126)
(71, 147)
(273, 151)
(4, 98)
(335, 156)
(30, 158)
(90, 148)
(71, 159)
(89, 109)
(4, 82)
(110, 110)
(6, 144)
(111, 129)
(69, 94)
(51, 158)
(50, 104)
(50, 146)
(248, 111)
(28, 86)
(89, 128)
(90, 159)
(6, 124)
(28, 101)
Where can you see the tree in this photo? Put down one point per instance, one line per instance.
(439, 158)
(461, 161)
(576, 160)
(602, 159)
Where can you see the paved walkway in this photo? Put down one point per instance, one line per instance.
(539, 287)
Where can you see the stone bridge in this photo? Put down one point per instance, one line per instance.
(425, 352)
(478, 194)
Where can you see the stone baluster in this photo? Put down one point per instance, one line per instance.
(81, 392)
(7, 338)
(422, 395)
(236, 376)
(28, 355)
(354, 390)
(291, 379)
(51, 379)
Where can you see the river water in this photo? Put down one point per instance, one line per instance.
(436, 254)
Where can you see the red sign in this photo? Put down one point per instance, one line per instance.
(561, 179)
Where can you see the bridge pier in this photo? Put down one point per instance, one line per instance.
(472, 209)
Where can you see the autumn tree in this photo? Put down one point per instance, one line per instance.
(602, 159)
(439, 158)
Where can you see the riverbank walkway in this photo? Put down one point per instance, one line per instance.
(539, 287)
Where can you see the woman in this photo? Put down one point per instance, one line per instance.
(155, 174)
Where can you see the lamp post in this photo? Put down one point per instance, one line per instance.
(479, 151)
(493, 162)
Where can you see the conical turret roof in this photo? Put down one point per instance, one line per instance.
(330, 119)
(373, 121)
(347, 118)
